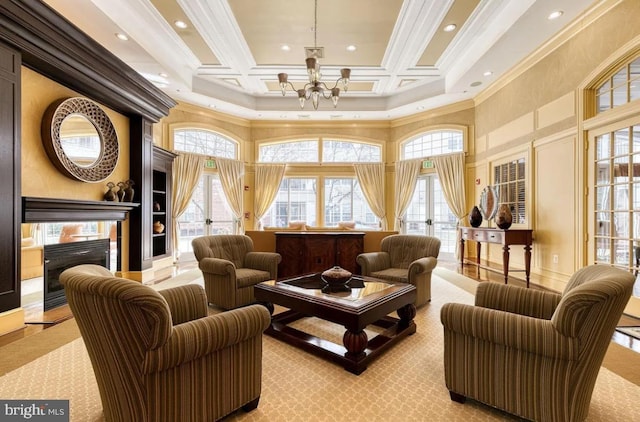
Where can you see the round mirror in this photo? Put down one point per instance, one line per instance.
(80, 139)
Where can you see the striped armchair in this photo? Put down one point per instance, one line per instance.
(230, 268)
(157, 356)
(533, 353)
(404, 258)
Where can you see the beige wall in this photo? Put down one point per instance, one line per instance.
(40, 178)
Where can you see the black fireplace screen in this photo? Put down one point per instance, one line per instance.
(58, 257)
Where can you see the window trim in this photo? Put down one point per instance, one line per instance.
(320, 139)
(203, 127)
(435, 128)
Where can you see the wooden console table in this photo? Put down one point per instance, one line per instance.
(506, 238)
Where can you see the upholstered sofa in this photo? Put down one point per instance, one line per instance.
(404, 258)
(534, 353)
(31, 255)
(157, 356)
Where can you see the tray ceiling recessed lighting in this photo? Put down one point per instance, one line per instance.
(285, 47)
(122, 36)
(351, 48)
(555, 14)
(488, 73)
(180, 24)
(450, 27)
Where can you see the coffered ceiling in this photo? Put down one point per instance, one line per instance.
(229, 53)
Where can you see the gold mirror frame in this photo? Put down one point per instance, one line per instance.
(51, 123)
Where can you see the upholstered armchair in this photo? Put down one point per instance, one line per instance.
(404, 258)
(533, 353)
(231, 268)
(157, 356)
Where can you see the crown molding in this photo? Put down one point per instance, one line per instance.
(430, 114)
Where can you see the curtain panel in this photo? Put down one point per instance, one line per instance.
(187, 169)
(231, 178)
(406, 179)
(371, 179)
(268, 179)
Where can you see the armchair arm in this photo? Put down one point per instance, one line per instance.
(373, 261)
(265, 261)
(217, 266)
(421, 265)
(186, 303)
(195, 339)
(518, 300)
(520, 332)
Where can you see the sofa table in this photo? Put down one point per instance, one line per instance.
(506, 238)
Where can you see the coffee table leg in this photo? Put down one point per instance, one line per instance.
(406, 314)
(355, 343)
(269, 307)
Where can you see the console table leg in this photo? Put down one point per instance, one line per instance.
(505, 262)
(461, 252)
(527, 262)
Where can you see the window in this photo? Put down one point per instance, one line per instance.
(617, 208)
(350, 152)
(621, 88)
(204, 142)
(344, 201)
(308, 151)
(295, 201)
(510, 180)
(433, 143)
(289, 152)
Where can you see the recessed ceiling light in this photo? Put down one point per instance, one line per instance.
(450, 27)
(488, 73)
(180, 24)
(122, 36)
(162, 74)
(476, 83)
(555, 14)
(351, 48)
(285, 47)
(420, 108)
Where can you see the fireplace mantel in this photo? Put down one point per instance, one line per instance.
(45, 210)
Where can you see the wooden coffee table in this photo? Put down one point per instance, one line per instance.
(364, 301)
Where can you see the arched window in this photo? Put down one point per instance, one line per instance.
(621, 87)
(432, 143)
(205, 142)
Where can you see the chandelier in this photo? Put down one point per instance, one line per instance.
(315, 88)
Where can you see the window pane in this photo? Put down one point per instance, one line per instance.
(603, 101)
(350, 152)
(344, 201)
(510, 180)
(289, 152)
(603, 170)
(204, 142)
(295, 201)
(602, 198)
(433, 143)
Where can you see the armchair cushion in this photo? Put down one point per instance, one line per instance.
(231, 268)
(404, 259)
(155, 359)
(531, 353)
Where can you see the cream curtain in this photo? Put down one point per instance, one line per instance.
(187, 169)
(406, 178)
(231, 175)
(371, 179)
(268, 179)
(450, 169)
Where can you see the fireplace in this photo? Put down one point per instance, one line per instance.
(58, 257)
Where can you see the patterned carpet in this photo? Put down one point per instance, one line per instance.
(406, 383)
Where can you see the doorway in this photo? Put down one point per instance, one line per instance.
(428, 214)
(208, 213)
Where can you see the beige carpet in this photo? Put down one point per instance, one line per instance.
(406, 383)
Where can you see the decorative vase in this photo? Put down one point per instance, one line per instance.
(504, 217)
(128, 191)
(475, 217)
(111, 195)
(158, 227)
(336, 276)
(120, 192)
(156, 206)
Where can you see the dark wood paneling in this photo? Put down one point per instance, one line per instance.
(10, 173)
(43, 210)
(162, 180)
